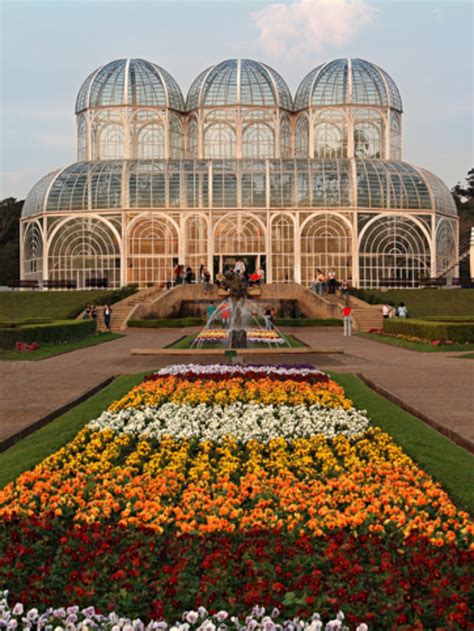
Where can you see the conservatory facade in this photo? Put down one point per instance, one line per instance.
(241, 169)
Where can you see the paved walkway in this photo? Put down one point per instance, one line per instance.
(437, 384)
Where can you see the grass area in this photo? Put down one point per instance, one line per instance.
(466, 356)
(31, 450)
(449, 464)
(416, 346)
(50, 350)
(422, 302)
(57, 305)
(186, 341)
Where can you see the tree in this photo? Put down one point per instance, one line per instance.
(10, 213)
(464, 198)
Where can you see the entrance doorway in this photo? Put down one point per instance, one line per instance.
(253, 262)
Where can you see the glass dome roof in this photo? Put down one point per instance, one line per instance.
(134, 82)
(239, 82)
(357, 183)
(348, 82)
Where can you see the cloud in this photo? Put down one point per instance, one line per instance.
(308, 26)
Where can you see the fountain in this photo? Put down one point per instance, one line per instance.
(234, 317)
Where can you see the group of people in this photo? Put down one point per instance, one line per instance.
(222, 314)
(91, 313)
(323, 282)
(400, 311)
(184, 274)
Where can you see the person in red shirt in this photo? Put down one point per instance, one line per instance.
(347, 319)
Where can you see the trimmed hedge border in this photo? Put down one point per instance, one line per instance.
(453, 319)
(430, 330)
(177, 323)
(56, 331)
(308, 322)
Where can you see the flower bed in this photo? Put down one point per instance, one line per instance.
(234, 486)
(257, 336)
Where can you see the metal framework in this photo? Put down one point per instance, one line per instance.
(239, 170)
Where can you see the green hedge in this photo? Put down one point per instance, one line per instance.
(308, 322)
(453, 318)
(457, 332)
(177, 323)
(47, 333)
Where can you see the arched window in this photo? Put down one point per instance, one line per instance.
(258, 141)
(369, 134)
(446, 249)
(283, 250)
(393, 248)
(302, 140)
(193, 139)
(220, 141)
(196, 242)
(153, 251)
(151, 142)
(82, 139)
(176, 138)
(286, 145)
(330, 135)
(326, 244)
(84, 248)
(111, 142)
(395, 136)
(33, 252)
(239, 234)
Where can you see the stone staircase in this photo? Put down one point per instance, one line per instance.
(124, 310)
(367, 317)
(164, 303)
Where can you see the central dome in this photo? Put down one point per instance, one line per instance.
(239, 82)
(134, 82)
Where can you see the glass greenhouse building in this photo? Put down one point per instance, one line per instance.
(239, 169)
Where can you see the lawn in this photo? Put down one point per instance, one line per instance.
(57, 305)
(50, 350)
(416, 346)
(31, 450)
(422, 302)
(186, 341)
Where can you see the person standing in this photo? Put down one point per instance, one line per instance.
(386, 311)
(320, 280)
(347, 319)
(332, 282)
(267, 316)
(402, 311)
(210, 311)
(107, 316)
(207, 281)
(344, 289)
(240, 267)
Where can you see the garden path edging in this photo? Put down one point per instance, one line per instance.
(26, 431)
(462, 441)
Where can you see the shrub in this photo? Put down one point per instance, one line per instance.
(456, 331)
(308, 322)
(47, 333)
(166, 322)
(451, 318)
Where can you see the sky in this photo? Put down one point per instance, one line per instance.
(49, 48)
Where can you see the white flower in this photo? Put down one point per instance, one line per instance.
(243, 421)
(192, 617)
(222, 615)
(18, 609)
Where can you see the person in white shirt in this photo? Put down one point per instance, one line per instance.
(402, 311)
(239, 267)
(386, 311)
